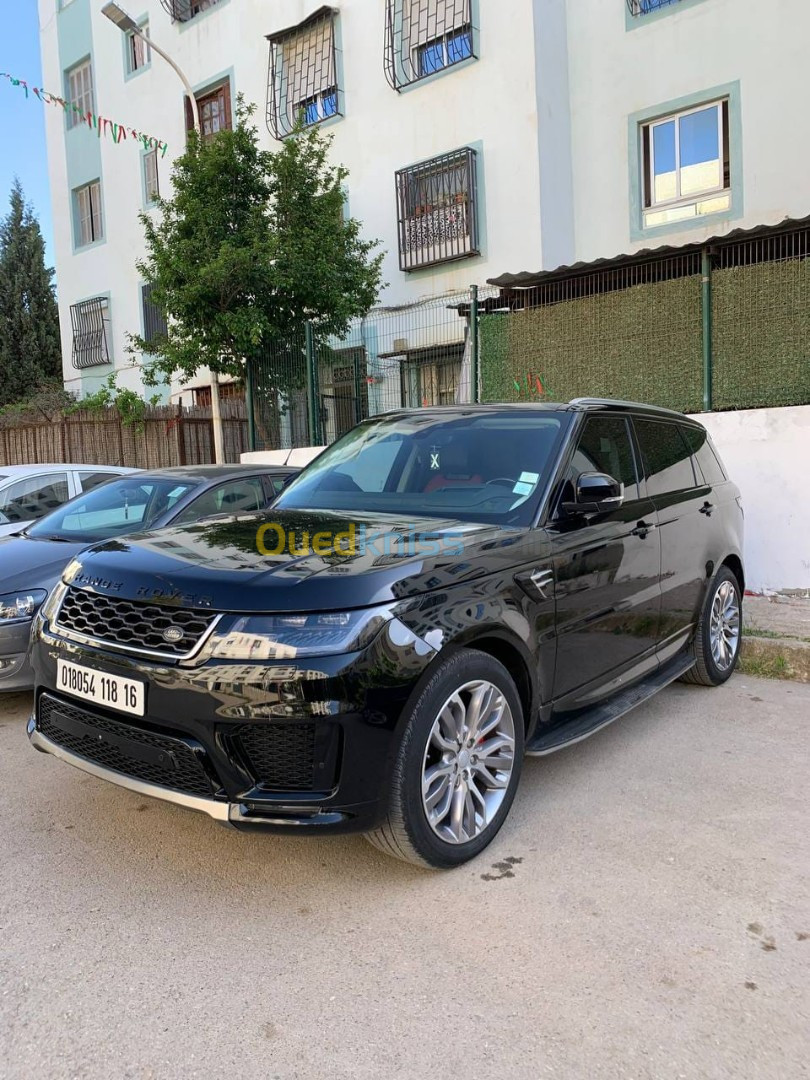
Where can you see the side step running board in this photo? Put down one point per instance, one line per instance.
(588, 723)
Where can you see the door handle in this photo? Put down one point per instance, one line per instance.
(707, 509)
(643, 528)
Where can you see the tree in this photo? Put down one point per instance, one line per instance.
(30, 353)
(251, 245)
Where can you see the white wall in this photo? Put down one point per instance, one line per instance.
(690, 47)
(766, 453)
(490, 104)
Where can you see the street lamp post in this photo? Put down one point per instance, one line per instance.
(127, 25)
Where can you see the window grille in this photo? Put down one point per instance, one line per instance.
(426, 36)
(302, 78)
(644, 7)
(437, 210)
(89, 321)
(183, 10)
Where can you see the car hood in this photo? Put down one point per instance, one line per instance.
(26, 563)
(218, 564)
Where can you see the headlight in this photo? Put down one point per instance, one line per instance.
(53, 603)
(286, 637)
(15, 607)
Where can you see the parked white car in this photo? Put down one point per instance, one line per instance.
(28, 492)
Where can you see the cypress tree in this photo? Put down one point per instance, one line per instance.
(30, 353)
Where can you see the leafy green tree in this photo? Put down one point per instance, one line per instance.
(30, 353)
(250, 245)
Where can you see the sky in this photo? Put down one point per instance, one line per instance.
(22, 125)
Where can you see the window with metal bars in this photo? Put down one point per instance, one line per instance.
(154, 321)
(87, 214)
(437, 210)
(302, 79)
(645, 7)
(183, 10)
(89, 322)
(80, 94)
(423, 37)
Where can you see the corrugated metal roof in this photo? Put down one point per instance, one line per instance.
(527, 280)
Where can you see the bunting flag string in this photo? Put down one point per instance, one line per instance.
(102, 126)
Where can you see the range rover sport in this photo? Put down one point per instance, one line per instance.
(439, 593)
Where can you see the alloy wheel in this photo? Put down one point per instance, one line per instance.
(468, 762)
(724, 627)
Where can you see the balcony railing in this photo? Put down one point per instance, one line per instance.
(646, 7)
(183, 10)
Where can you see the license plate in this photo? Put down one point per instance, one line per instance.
(111, 691)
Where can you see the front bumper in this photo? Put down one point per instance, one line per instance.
(260, 746)
(238, 814)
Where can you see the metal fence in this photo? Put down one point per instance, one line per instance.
(307, 391)
(723, 326)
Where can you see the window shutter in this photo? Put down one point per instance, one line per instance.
(189, 114)
(431, 19)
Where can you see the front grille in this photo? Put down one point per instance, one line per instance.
(133, 625)
(132, 751)
(280, 756)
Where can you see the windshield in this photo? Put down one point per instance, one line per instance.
(122, 506)
(479, 467)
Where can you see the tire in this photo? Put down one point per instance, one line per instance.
(445, 705)
(708, 670)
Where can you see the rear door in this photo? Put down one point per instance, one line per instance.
(606, 570)
(683, 503)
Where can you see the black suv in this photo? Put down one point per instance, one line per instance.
(439, 593)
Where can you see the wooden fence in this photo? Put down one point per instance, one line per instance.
(169, 435)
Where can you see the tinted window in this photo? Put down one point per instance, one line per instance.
(125, 505)
(239, 496)
(666, 456)
(698, 440)
(89, 480)
(604, 446)
(33, 497)
(278, 483)
(471, 466)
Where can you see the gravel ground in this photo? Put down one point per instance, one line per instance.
(643, 914)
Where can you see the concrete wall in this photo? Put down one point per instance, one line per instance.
(766, 452)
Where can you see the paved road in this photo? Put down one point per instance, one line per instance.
(644, 914)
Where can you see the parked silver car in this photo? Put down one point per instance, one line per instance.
(29, 492)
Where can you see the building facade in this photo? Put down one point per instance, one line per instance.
(481, 136)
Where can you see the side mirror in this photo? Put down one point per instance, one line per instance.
(596, 493)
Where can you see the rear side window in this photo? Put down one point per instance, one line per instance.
(33, 497)
(705, 456)
(604, 446)
(89, 480)
(666, 457)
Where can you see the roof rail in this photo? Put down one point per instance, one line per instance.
(625, 405)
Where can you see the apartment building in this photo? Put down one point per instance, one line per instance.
(481, 136)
